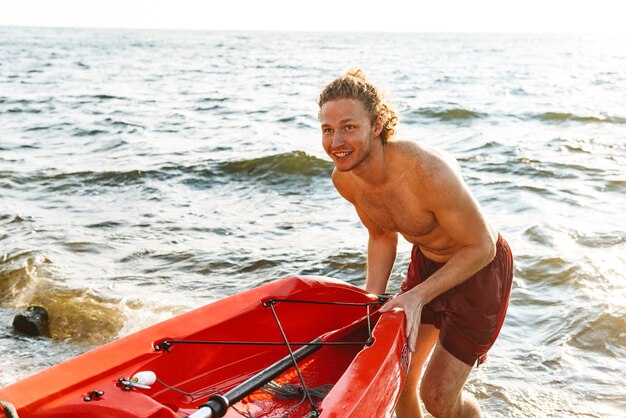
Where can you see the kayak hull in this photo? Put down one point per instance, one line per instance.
(193, 357)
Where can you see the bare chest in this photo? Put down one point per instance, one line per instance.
(398, 212)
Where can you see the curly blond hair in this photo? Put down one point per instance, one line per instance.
(355, 85)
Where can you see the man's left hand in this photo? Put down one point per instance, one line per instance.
(411, 303)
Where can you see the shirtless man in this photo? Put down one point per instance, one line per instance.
(457, 287)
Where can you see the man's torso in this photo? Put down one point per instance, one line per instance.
(401, 203)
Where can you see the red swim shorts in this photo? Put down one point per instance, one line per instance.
(470, 315)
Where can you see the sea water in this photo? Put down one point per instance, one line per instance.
(145, 173)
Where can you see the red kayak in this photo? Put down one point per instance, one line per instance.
(298, 347)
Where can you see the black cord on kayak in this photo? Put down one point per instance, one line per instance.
(269, 303)
(288, 391)
(322, 302)
(190, 394)
(206, 392)
(167, 344)
(291, 390)
(314, 411)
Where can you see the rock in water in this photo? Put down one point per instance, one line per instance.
(32, 321)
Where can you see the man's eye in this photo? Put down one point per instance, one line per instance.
(327, 130)
(350, 127)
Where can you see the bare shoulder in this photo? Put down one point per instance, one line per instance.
(344, 183)
(431, 175)
(427, 162)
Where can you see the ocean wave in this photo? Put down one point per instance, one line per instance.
(548, 272)
(79, 132)
(536, 169)
(616, 185)
(603, 332)
(543, 236)
(456, 114)
(257, 266)
(85, 247)
(104, 178)
(20, 110)
(105, 225)
(24, 106)
(348, 265)
(558, 117)
(281, 168)
(47, 127)
(478, 148)
(213, 108)
(275, 168)
(85, 181)
(286, 119)
(599, 240)
(575, 149)
(15, 275)
(79, 315)
(106, 97)
(213, 99)
(7, 216)
(108, 145)
(114, 122)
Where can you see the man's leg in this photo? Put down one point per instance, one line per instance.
(442, 387)
(408, 404)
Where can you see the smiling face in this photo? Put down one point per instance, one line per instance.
(347, 132)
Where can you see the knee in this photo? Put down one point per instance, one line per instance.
(437, 402)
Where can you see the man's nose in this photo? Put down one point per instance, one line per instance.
(337, 139)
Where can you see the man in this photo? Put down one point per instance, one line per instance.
(457, 287)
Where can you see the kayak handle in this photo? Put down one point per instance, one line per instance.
(8, 409)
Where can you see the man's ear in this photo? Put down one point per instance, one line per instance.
(378, 126)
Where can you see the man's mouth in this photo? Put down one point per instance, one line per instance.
(342, 154)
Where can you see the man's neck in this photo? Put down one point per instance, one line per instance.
(373, 170)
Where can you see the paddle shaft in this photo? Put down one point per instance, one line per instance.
(217, 405)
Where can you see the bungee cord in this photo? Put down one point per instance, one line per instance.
(167, 344)
(314, 412)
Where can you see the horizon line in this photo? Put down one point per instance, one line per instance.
(356, 31)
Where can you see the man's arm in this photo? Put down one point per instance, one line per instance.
(381, 246)
(381, 255)
(459, 215)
